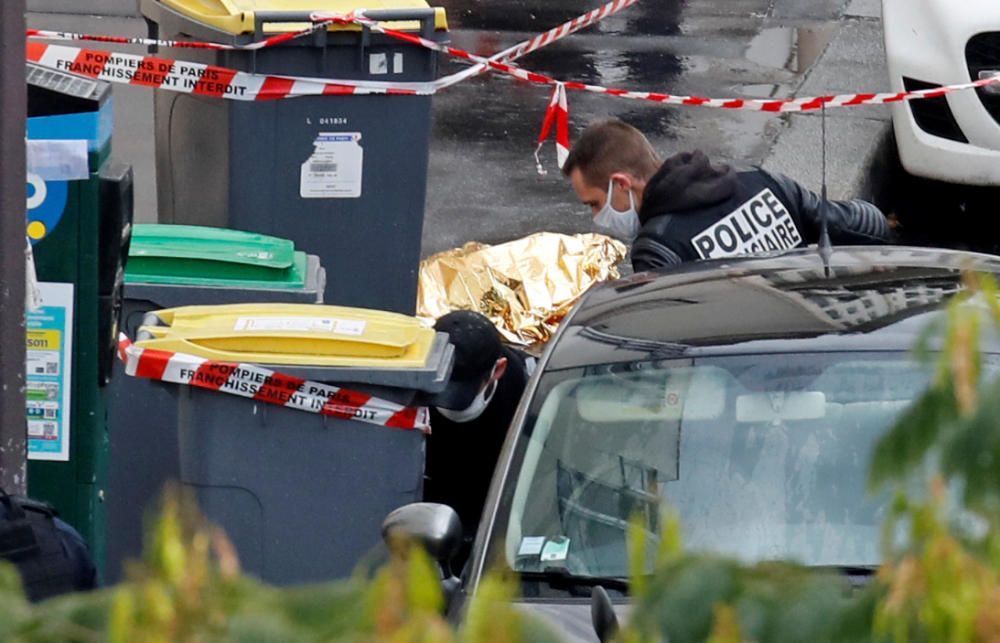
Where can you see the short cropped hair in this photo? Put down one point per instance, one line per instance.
(612, 146)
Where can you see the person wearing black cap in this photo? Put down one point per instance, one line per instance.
(469, 419)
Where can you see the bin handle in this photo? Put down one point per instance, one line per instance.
(426, 16)
(150, 327)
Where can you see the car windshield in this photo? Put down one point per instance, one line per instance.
(762, 457)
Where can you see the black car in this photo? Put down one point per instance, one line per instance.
(747, 394)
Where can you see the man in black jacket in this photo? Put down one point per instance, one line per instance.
(469, 419)
(686, 208)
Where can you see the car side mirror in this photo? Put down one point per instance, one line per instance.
(436, 528)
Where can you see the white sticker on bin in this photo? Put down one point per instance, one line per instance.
(334, 170)
(378, 64)
(352, 327)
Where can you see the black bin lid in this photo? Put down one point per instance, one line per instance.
(52, 92)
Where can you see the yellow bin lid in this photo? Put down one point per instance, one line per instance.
(237, 16)
(292, 334)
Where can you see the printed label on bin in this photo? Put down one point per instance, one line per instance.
(334, 169)
(378, 64)
(352, 327)
(263, 255)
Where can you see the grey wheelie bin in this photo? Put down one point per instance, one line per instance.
(169, 266)
(301, 493)
(343, 176)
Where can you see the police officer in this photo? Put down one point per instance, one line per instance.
(469, 419)
(687, 208)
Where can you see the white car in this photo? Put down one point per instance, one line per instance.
(929, 43)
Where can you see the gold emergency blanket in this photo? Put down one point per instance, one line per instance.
(525, 286)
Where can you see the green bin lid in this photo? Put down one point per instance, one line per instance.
(214, 257)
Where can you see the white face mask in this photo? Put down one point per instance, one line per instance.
(474, 410)
(621, 224)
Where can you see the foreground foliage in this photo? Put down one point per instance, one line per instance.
(941, 577)
(189, 588)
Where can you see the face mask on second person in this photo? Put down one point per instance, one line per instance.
(484, 395)
(474, 410)
(623, 224)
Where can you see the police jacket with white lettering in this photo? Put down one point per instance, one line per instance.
(692, 209)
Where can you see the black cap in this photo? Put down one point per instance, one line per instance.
(477, 349)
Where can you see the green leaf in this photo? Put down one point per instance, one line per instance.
(973, 452)
(855, 619)
(908, 442)
(15, 611)
(267, 627)
(83, 611)
(679, 603)
(923, 347)
(988, 284)
(671, 540)
(424, 583)
(329, 610)
(490, 617)
(637, 554)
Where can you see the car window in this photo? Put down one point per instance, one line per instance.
(762, 457)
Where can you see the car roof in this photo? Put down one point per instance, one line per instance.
(875, 298)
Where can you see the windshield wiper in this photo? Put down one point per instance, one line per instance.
(562, 578)
(857, 575)
(849, 570)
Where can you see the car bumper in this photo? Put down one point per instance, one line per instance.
(926, 41)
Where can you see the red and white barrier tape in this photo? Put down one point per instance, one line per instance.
(775, 106)
(201, 79)
(567, 28)
(781, 105)
(557, 113)
(270, 41)
(264, 385)
(508, 55)
(541, 40)
(249, 88)
(209, 80)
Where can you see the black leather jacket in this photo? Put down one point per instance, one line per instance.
(694, 210)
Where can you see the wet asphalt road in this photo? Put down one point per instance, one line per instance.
(483, 184)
